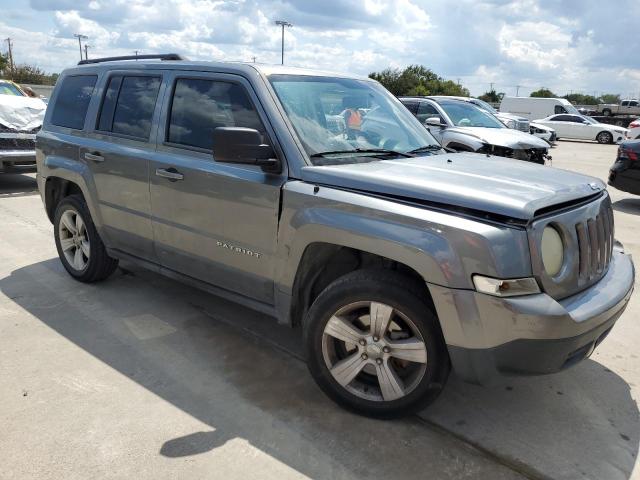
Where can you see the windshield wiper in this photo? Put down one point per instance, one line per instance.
(377, 151)
(426, 148)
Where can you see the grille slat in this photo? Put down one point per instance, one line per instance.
(595, 245)
(17, 144)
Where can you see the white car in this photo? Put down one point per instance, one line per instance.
(544, 132)
(633, 132)
(583, 128)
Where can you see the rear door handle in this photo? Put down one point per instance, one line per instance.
(94, 157)
(170, 173)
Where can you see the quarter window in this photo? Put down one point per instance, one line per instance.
(128, 105)
(199, 106)
(73, 100)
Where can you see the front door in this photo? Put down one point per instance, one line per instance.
(212, 221)
(118, 150)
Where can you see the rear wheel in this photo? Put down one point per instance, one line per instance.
(374, 345)
(80, 248)
(604, 137)
(606, 112)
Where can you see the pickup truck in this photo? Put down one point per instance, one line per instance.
(395, 259)
(626, 107)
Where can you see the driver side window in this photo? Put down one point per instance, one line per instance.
(559, 109)
(426, 110)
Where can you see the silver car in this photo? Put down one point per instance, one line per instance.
(462, 126)
(396, 260)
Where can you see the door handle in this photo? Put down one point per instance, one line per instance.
(94, 157)
(170, 173)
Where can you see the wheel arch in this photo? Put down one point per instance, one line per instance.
(321, 263)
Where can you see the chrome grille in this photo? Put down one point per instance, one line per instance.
(595, 244)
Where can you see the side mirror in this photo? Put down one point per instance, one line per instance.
(244, 145)
(434, 122)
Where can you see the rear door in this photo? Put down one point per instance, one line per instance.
(118, 153)
(212, 221)
(562, 125)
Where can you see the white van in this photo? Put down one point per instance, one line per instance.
(534, 108)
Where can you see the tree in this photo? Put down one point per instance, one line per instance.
(579, 99)
(610, 98)
(4, 64)
(417, 80)
(492, 96)
(29, 74)
(544, 93)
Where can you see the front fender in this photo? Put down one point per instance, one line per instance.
(444, 248)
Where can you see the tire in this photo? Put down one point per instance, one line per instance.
(355, 297)
(84, 255)
(604, 137)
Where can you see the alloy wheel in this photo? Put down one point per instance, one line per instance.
(374, 351)
(74, 240)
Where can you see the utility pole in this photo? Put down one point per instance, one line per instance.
(518, 90)
(10, 46)
(80, 37)
(254, 59)
(283, 24)
(86, 55)
(136, 52)
(491, 87)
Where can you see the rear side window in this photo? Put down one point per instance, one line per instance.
(73, 100)
(199, 106)
(128, 105)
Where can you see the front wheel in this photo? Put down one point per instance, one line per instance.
(374, 345)
(80, 248)
(604, 137)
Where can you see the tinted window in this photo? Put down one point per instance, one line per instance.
(563, 118)
(624, 103)
(412, 106)
(427, 110)
(199, 106)
(72, 101)
(633, 104)
(559, 109)
(128, 106)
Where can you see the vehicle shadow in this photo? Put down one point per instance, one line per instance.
(230, 368)
(220, 363)
(17, 185)
(627, 205)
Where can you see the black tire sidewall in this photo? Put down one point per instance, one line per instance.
(402, 299)
(607, 135)
(77, 204)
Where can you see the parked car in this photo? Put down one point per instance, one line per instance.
(534, 107)
(626, 107)
(20, 119)
(462, 126)
(510, 120)
(633, 132)
(544, 132)
(625, 172)
(396, 260)
(583, 128)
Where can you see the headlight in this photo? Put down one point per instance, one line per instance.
(505, 288)
(552, 249)
(511, 123)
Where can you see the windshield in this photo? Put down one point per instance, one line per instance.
(10, 89)
(571, 109)
(484, 105)
(348, 118)
(589, 119)
(464, 114)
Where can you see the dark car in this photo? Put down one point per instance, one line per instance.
(625, 172)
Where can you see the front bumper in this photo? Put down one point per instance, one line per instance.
(488, 337)
(17, 161)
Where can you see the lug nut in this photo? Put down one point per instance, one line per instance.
(363, 342)
(379, 361)
(365, 356)
(386, 349)
(375, 339)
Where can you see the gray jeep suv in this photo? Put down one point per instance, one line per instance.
(396, 259)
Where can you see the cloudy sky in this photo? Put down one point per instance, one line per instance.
(580, 45)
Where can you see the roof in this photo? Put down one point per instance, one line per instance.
(221, 66)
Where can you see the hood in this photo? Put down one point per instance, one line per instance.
(540, 126)
(511, 116)
(503, 137)
(491, 184)
(21, 113)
